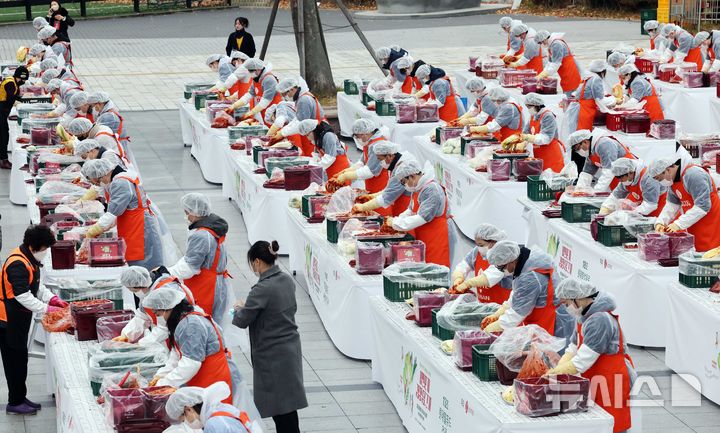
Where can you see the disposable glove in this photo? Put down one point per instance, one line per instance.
(94, 231)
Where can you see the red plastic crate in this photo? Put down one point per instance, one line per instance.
(636, 123)
(63, 255)
(666, 75)
(614, 122)
(644, 65)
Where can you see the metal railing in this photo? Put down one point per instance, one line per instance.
(695, 15)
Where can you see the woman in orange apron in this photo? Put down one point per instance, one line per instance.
(283, 125)
(306, 106)
(483, 109)
(128, 209)
(641, 89)
(635, 186)
(599, 153)
(514, 45)
(394, 197)
(590, 94)
(560, 60)
(262, 92)
(427, 214)
(692, 202)
(417, 84)
(81, 106)
(332, 152)
(509, 119)
(544, 134)
(651, 27)
(441, 91)
(597, 350)
(486, 279)
(530, 56)
(707, 42)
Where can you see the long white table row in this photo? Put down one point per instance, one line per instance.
(206, 143)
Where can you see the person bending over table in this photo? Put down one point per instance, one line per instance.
(485, 280)
(636, 186)
(394, 195)
(600, 151)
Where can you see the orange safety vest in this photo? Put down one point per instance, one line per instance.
(610, 367)
(635, 194)
(166, 281)
(506, 131)
(706, 231)
(433, 233)
(568, 71)
(214, 368)
(588, 109)
(496, 293)
(695, 56)
(595, 159)
(551, 153)
(131, 224)
(652, 104)
(7, 290)
(243, 418)
(203, 284)
(449, 110)
(545, 316)
(306, 146)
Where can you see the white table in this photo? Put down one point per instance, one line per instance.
(261, 207)
(472, 196)
(691, 108)
(18, 157)
(350, 108)
(644, 147)
(207, 143)
(439, 397)
(692, 337)
(340, 295)
(639, 287)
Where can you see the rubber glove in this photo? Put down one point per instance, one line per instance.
(712, 253)
(564, 368)
(604, 211)
(250, 114)
(510, 140)
(458, 278)
(389, 221)
(673, 228)
(52, 309)
(347, 175)
(55, 301)
(479, 129)
(493, 327)
(478, 281)
(542, 75)
(509, 394)
(121, 339)
(420, 93)
(520, 146)
(154, 381)
(91, 194)
(528, 137)
(660, 228)
(465, 121)
(567, 357)
(94, 231)
(273, 130)
(366, 207)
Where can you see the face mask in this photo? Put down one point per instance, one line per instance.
(384, 164)
(582, 152)
(195, 424)
(40, 255)
(507, 273)
(412, 188)
(483, 251)
(256, 74)
(140, 294)
(574, 311)
(478, 95)
(358, 142)
(626, 183)
(666, 182)
(287, 98)
(187, 220)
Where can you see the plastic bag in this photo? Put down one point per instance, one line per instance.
(57, 321)
(60, 192)
(346, 242)
(634, 223)
(71, 289)
(513, 346)
(111, 326)
(58, 158)
(465, 313)
(560, 180)
(418, 275)
(463, 343)
(537, 362)
(341, 202)
(126, 380)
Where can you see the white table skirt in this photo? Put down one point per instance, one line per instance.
(439, 397)
(644, 147)
(207, 143)
(472, 196)
(340, 295)
(262, 208)
(639, 287)
(692, 337)
(691, 108)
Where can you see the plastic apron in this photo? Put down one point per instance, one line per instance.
(243, 418)
(259, 95)
(188, 295)
(202, 285)
(449, 110)
(496, 293)
(652, 104)
(545, 316)
(215, 367)
(568, 71)
(131, 225)
(536, 63)
(433, 233)
(551, 153)
(635, 195)
(595, 159)
(505, 131)
(706, 230)
(588, 109)
(306, 146)
(609, 367)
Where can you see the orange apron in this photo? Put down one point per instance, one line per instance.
(400, 205)
(695, 56)
(121, 126)
(340, 164)
(609, 367)
(203, 284)
(545, 316)
(706, 231)
(418, 86)
(551, 153)
(536, 63)
(379, 182)
(588, 109)
(215, 367)
(595, 159)
(652, 104)
(652, 43)
(121, 150)
(505, 131)
(259, 95)
(307, 146)
(568, 71)
(407, 85)
(243, 418)
(635, 195)
(496, 293)
(433, 233)
(239, 89)
(449, 110)
(131, 225)
(188, 295)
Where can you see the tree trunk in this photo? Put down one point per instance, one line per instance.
(318, 74)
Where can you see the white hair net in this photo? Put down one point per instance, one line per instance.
(475, 84)
(622, 166)
(46, 32)
(39, 23)
(307, 126)
(518, 29)
(135, 276)
(542, 36)
(190, 396)
(99, 96)
(287, 83)
(701, 37)
(667, 29)
(407, 168)
(627, 69)
(579, 136)
(238, 55)
(53, 84)
(97, 168)
(85, 146)
(253, 64)
(212, 58)
(506, 22)
(385, 148)
(404, 62)
(196, 204)
(163, 298)
(423, 72)
(489, 232)
(79, 126)
(503, 253)
(572, 288)
(36, 49)
(616, 58)
(49, 75)
(597, 66)
(363, 126)
(659, 165)
(651, 25)
(382, 52)
(535, 100)
(48, 64)
(499, 94)
(78, 99)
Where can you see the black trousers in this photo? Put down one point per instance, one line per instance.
(4, 136)
(15, 364)
(287, 423)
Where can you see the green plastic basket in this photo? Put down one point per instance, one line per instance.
(332, 230)
(433, 324)
(201, 98)
(385, 108)
(235, 132)
(697, 281)
(538, 189)
(73, 294)
(36, 99)
(366, 99)
(350, 87)
(464, 141)
(283, 162)
(578, 212)
(305, 205)
(613, 236)
(445, 334)
(256, 153)
(187, 93)
(484, 366)
(400, 291)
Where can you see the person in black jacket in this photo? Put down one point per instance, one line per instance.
(9, 93)
(59, 18)
(240, 39)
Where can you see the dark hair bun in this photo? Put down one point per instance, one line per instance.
(274, 248)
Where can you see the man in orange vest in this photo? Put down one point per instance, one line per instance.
(635, 186)
(597, 349)
(21, 296)
(533, 300)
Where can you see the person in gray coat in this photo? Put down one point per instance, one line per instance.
(269, 312)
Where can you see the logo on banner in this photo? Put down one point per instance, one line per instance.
(407, 376)
(444, 415)
(565, 263)
(713, 370)
(552, 245)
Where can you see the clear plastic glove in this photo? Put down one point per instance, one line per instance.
(673, 228)
(562, 368)
(55, 301)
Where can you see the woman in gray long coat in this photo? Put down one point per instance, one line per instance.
(269, 311)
